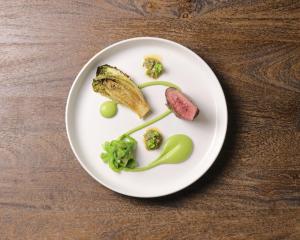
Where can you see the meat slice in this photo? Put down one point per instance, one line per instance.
(181, 105)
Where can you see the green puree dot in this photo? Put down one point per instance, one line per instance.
(108, 109)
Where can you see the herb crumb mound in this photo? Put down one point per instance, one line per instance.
(154, 67)
(152, 139)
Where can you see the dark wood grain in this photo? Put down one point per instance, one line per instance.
(253, 189)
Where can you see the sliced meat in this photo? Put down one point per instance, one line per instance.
(181, 105)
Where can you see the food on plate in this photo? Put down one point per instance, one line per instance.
(180, 104)
(118, 86)
(154, 67)
(152, 139)
(119, 153)
(177, 149)
(108, 109)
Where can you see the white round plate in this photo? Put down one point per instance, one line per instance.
(87, 129)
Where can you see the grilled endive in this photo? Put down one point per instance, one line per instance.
(118, 86)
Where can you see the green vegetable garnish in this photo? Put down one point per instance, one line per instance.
(152, 139)
(154, 67)
(119, 153)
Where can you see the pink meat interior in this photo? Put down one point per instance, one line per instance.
(181, 105)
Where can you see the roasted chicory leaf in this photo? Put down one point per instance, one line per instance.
(118, 86)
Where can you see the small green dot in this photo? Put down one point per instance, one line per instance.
(108, 109)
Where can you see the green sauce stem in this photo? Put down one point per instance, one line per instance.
(153, 83)
(146, 124)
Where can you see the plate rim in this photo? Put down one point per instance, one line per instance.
(214, 153)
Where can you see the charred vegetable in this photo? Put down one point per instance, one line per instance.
(180, 104)
(118, 86)
(152, 139)
(154, 67)
(119, 153)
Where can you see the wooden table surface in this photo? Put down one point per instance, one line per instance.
(253, 189)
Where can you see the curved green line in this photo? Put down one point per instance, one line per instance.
(150, 122)
(162, 83)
